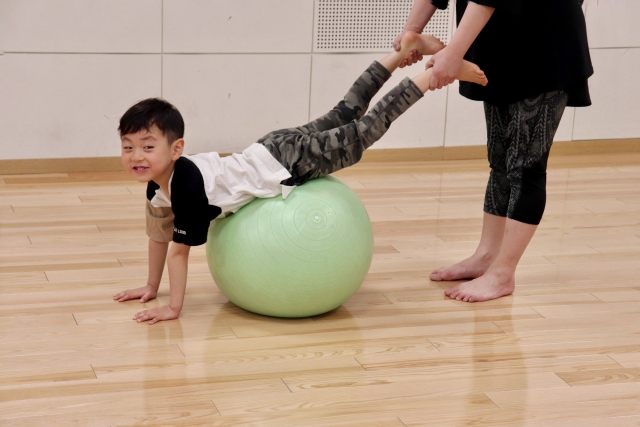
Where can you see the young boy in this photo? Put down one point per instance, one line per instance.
(185, 193)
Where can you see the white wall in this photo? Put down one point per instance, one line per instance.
(238, 69)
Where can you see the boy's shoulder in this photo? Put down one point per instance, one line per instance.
(186, 180)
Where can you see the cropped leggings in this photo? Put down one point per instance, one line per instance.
(519, 137)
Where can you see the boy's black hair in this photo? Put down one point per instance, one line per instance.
(149, 112)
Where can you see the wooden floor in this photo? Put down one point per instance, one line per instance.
(564, 351)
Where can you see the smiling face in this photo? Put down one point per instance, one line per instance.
(148, 156)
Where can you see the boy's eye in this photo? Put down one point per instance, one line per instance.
(126, 148)
(148, 147)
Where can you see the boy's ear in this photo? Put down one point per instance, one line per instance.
(177, 148)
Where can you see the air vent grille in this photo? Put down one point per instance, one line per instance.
(368, 25)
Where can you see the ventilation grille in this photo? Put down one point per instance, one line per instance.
(368, 25)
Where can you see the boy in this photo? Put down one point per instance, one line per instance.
(185, 193)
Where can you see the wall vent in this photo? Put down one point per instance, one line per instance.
(368, 25)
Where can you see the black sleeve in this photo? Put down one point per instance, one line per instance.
(513, 7)
(190, 205)
(190, 230)
(440, 4)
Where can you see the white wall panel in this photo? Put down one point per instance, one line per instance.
(420, 126)
(113, 26)
(465, 120)
(614, 88)
(230, 101)
(69, 105)
(613, 23)
(239, 26)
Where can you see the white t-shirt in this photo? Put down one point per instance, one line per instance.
(206, 186)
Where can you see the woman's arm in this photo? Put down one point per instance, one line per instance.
(446, 63)
(421, 13)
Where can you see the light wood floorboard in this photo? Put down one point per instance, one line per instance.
(563, 351)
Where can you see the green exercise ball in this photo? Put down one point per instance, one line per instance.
(294, 257)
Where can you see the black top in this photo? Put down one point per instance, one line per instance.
(529, 47)
(189, 203)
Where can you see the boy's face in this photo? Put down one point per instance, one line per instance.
(148, 156)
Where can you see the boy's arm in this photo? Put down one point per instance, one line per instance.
(159, 227)
(177, 262)
(157, 256)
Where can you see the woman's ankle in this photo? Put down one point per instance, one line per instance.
(485, 256)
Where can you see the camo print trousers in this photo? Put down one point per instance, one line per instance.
(519, 138)
(338, 139)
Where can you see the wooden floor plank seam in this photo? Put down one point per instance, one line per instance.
(563, 351)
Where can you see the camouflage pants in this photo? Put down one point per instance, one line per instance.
(519, 137)
(338, 139)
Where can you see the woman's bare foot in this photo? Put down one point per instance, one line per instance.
(470, 268)
(491, 285)
(425, 44)
(470, 72)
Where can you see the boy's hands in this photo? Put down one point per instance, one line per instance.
(177, 260)
(145, 293)
(157, 314)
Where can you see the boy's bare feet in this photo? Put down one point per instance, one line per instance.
(470, 72)
(489, 286)
(470, 268)
(425, 44)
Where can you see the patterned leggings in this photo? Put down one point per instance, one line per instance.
(519, 137)
(338, 139)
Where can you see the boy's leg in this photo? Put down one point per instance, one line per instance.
(323, 153)
(355, 102)
(357, 99)
(350, 108)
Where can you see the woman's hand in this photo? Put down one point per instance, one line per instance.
(414, 55)
(446, 66)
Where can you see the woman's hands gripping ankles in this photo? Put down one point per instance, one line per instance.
(446, 66)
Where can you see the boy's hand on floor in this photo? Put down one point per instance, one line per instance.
(145, 294)
(155, 315)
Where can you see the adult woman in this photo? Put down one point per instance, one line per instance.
(536, 57)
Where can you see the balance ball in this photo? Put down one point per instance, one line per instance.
(294, 257)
